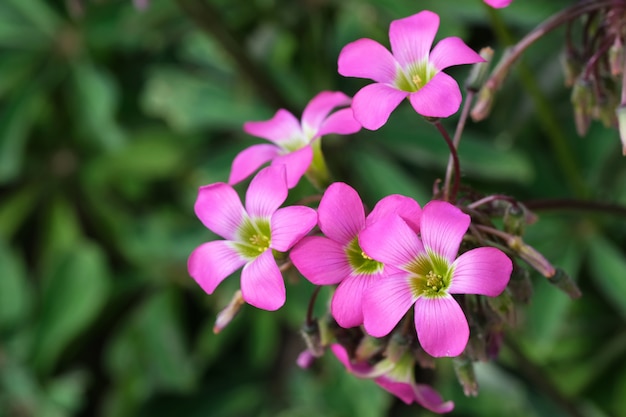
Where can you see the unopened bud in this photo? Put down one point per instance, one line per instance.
(571, 67)
(565, 283)
(531, 256)
(311, 334)
(583, 102)
(520, 285)
(305, 359)
(225, 316)
(368, 348)
(616, 57)
(514, 219)
(620, 112)
(503, 306)
(480, 71)
(483, 104)
(464, 370)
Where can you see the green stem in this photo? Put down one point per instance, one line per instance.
(450, 195)
(457, 139)
(318, 172)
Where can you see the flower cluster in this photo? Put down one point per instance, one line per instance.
(411, 283)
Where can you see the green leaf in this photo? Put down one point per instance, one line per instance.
(15, 209)
(37, 13)
(608, 268)
(74, 292)
(15, 293)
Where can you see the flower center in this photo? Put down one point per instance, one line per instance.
(415, 76)
(254, 237)
(359, 261)
(430, 276)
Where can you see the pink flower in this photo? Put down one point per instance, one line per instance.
(498, 4)
(291, 140)
(396, 378)
(337, 257)
(251, 234)
(431, 273)
(413, 70)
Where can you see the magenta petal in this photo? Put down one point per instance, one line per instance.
(405, 207)
(267, 191)
(402, 390)
(218, 207)
(341, 122)
(359, 369)
(391, 241)
(290, 224)
(366, 58)
(412, 37)
(385, 302)
(429, 398)
(374, 103)
(320, 260)
(249, 160)
(498, 4)
(440, 97)
(262, 284)
(453, 51)
(341, 214)
(320, 106)
(347, 302)
(443, 227)
(441, 326)
(483, 271)
(210, 263)
(280, 128)
(296, 163)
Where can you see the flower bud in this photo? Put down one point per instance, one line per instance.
(583, 102)
(483, 104)
(531, 256)
(572, 67)
(225, 316)
(621, 123)
(305, 359)
(464, 370)
(368, 348)
(503, 306)
(514, 219)
(311, 334)
(520, 286)
(565, 283)
(616, 57)
(480, 71)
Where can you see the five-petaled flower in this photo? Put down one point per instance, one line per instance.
(337, 258)
(431, 273)
(291, 140)
(251, 235)
(397, 378)
(412, 70)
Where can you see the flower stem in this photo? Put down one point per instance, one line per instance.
(309, 311)
(450, 195)
(573, 204)
(318, 172)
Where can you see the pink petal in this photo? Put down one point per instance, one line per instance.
(262, 284)
(453, 51)
(443, 227)
(498, 4)
(267, 191)
(249, 160)
(320, 260)
(412, 37)
(441, 326)
(374, 103)
(210, 263)
(341, 122)
(483, 271)
(405, 207)
(440, 97)
(385, 302)
(320, 106)
(347, 303)
(219, 208)
(290, 224)
(402, 390)
(391, 241)
(280, 128)
(296, 163)
(429, 398)
(359, 369)
(341, 214)
(366, 58)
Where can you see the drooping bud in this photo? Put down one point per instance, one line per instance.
(311, 334)
(225, 316)
(583, 102)
(368, 348)
(483, 104)
(305, 359)
(621, 123)
(480, 71)
(464, 370)
(531, 256)
(616, 57)
(572, 67)
(565, 283)
(514, 219)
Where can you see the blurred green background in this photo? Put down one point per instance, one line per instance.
(111, 118)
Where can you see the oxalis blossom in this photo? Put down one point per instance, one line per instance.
(291, 139)
(498, 4)
(337, 258)
(396, 378)
(431, 273)
(411, 70)
(251, 235)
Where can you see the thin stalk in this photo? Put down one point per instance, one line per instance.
(457, 138)
(573, 204)
(309, 310)
(447, 194)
